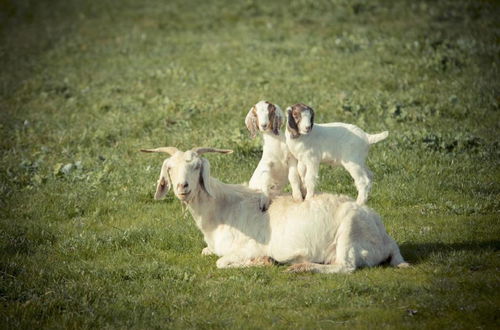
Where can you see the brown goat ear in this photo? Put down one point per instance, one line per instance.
(277, 120)
(291, 124)
(251, 122)
(312, 117)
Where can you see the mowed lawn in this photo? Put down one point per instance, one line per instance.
(85, 84)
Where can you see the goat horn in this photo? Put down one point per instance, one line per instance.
(169, 150)
(201, 151)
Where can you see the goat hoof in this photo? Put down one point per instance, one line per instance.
(206, 252)
(262, 261)
(223, 263)
(300, 268)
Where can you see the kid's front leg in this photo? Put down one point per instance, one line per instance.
(310, 180)
(301, 168)
(266, 199)
(294, 178)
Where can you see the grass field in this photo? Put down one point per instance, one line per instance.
(85, 84)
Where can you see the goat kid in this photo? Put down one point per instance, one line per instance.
(332, 143)
(326, 234)
(277, 165)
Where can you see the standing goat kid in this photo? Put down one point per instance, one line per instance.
(332, 143)
(277, 165)
(326, 234)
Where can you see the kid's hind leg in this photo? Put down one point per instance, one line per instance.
(362, 180)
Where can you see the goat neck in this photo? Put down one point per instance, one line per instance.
(203, 207)
(207, 210)
(271, 139)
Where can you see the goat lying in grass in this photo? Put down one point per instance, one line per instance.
(277, 165)
(333, 143)
(326, 234)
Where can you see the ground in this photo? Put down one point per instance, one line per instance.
(85, 84)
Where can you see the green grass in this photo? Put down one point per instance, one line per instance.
(85, 84)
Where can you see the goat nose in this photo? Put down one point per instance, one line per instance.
(263, 126)
(183, 185)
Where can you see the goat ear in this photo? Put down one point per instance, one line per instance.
(205, 177)
(162, 188)
(312, 117)
(291, 124)
(163, 184)
(277, 120)
(251, 122)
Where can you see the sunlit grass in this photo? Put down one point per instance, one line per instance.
(86, 84)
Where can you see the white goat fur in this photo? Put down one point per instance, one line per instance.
(327, 234)
(332, 143)
(277, 166)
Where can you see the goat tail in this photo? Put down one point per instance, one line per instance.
(374, 138)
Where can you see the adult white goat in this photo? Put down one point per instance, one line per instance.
(332, 143)
(277, 165)
(326, 234)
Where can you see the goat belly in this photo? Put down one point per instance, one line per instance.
(221, 240)
(228, 240)
(302, 231)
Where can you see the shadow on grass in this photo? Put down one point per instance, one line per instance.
(418, 252)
